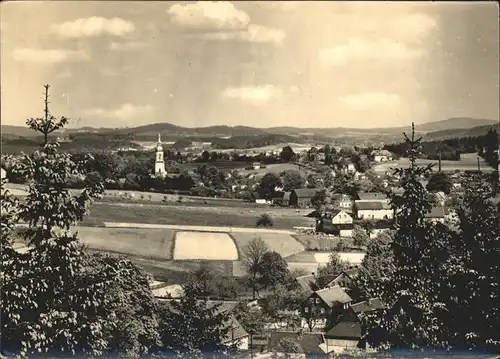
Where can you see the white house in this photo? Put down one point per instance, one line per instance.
(373, 210)
(342, 201)
(256, 165)
(381, 156)
(339, 216)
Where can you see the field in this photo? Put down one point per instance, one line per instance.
(276, 169)
(283, 218)
(321, 243)
(468, 162)
(284, 244)
(204, 246)
(154, 244)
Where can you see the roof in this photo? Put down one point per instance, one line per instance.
(309, 342)
(367, 306)
(333, 295)
(306, 281)
(381, 153)
(370, 196)
(345, 330)
(237, 331)
(306, 192)
(369, 206)
(338, 210)
(436, 212)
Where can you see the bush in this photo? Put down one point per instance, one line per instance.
(264, 220)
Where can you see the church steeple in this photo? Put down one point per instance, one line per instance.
(160, 162)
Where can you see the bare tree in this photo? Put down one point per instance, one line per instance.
(48, 123)
(252, 257)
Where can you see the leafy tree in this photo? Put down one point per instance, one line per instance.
(287, 154)
(48, 123)
(273, 270)
(334, 266)
(203, 278)
(251, 318)
(319, 201)
(192, 327)
(440, 181)
(414, 316)
(360, 237)
(264, 220)
(252, 257)
(292, 179)
(205, 156)
(268, 184)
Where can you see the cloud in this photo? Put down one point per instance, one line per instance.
(127, 46)
(256, 95)
(124, 112)
(94, 26)
(369, 100)
(209, 16)
(358, 49)
(48, 56)
(254, 33)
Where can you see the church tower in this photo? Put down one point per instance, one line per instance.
(160, 162)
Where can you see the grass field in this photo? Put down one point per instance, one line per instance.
(283, 218)
(468, 162)
(321, 243)
(154, 244)
(284, 244)
(276, 169)
(204, 246)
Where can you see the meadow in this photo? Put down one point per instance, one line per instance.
(281, 243)
(204, 246)
(283, 218)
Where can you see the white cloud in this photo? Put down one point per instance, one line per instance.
(48, 56)
(125, 112)
(209, 15)
(358, 49)
(369, 100)
(127, 46)
(254, 33)
(94, 26)
(256, 95)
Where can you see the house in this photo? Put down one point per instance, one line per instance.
(339, 216)
(324, 306)
(256, 165)
(343, 279)
(325, 225)
(237, 335)
(437, 214)
(373, 210)
(372, 197)
(366, 306)
(301, 197)
(286, 199)
(344, 335)
(381, 156)
(307, 282)
(342, 201)
(381, 227)
(278, 198)
(309, 342)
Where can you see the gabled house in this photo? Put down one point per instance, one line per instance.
(310, 343)
(381, 156)
(381, 227)
(340, 216)
(367, 306)
(373, 210)
(342, 201)
(343, 279)
(324, 306)
(301, 197)
(325, 225)
(372, 197)
(286, 199)
(307, 282)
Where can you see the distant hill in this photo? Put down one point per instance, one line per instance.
(460, 132)
(454, 123)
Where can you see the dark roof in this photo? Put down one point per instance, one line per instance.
(345, 330)
(306, 281)
(306, 192)
(333, 295)
(370, 196)
(436, 212)
(369, 206)
(309, 342)
(383, 224)
(367, 306)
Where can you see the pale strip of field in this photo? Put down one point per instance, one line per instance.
(353, 258)
(196, 228)
(205, 246)
(284, 244)
(468, 162)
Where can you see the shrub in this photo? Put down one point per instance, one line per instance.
(264, 220)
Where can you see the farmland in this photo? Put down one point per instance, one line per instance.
(468, 162)
(204, 246)
(192, 215)
(282, 243)
(276, 169)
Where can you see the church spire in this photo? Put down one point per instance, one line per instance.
(159, 138)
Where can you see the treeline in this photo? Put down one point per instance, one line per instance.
(242, 142)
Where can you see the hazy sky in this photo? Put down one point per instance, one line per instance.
(305, 64)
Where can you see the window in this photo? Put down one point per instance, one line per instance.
(306, 310)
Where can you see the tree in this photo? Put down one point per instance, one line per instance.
(292, 179)
(413, 316)
(319, 201)
(191, 327)
(205, 156)
(273, 270)
(287, 154)
(289, 348)
(203, 278)
(56, 298)
(268, 184)
(48, 123)
(252, 257)
(360, 237)
(440, 181)
(333, 267)
(264, 220)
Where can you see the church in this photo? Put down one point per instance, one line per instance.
(160, 161)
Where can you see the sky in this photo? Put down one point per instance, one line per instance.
(261, 64)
